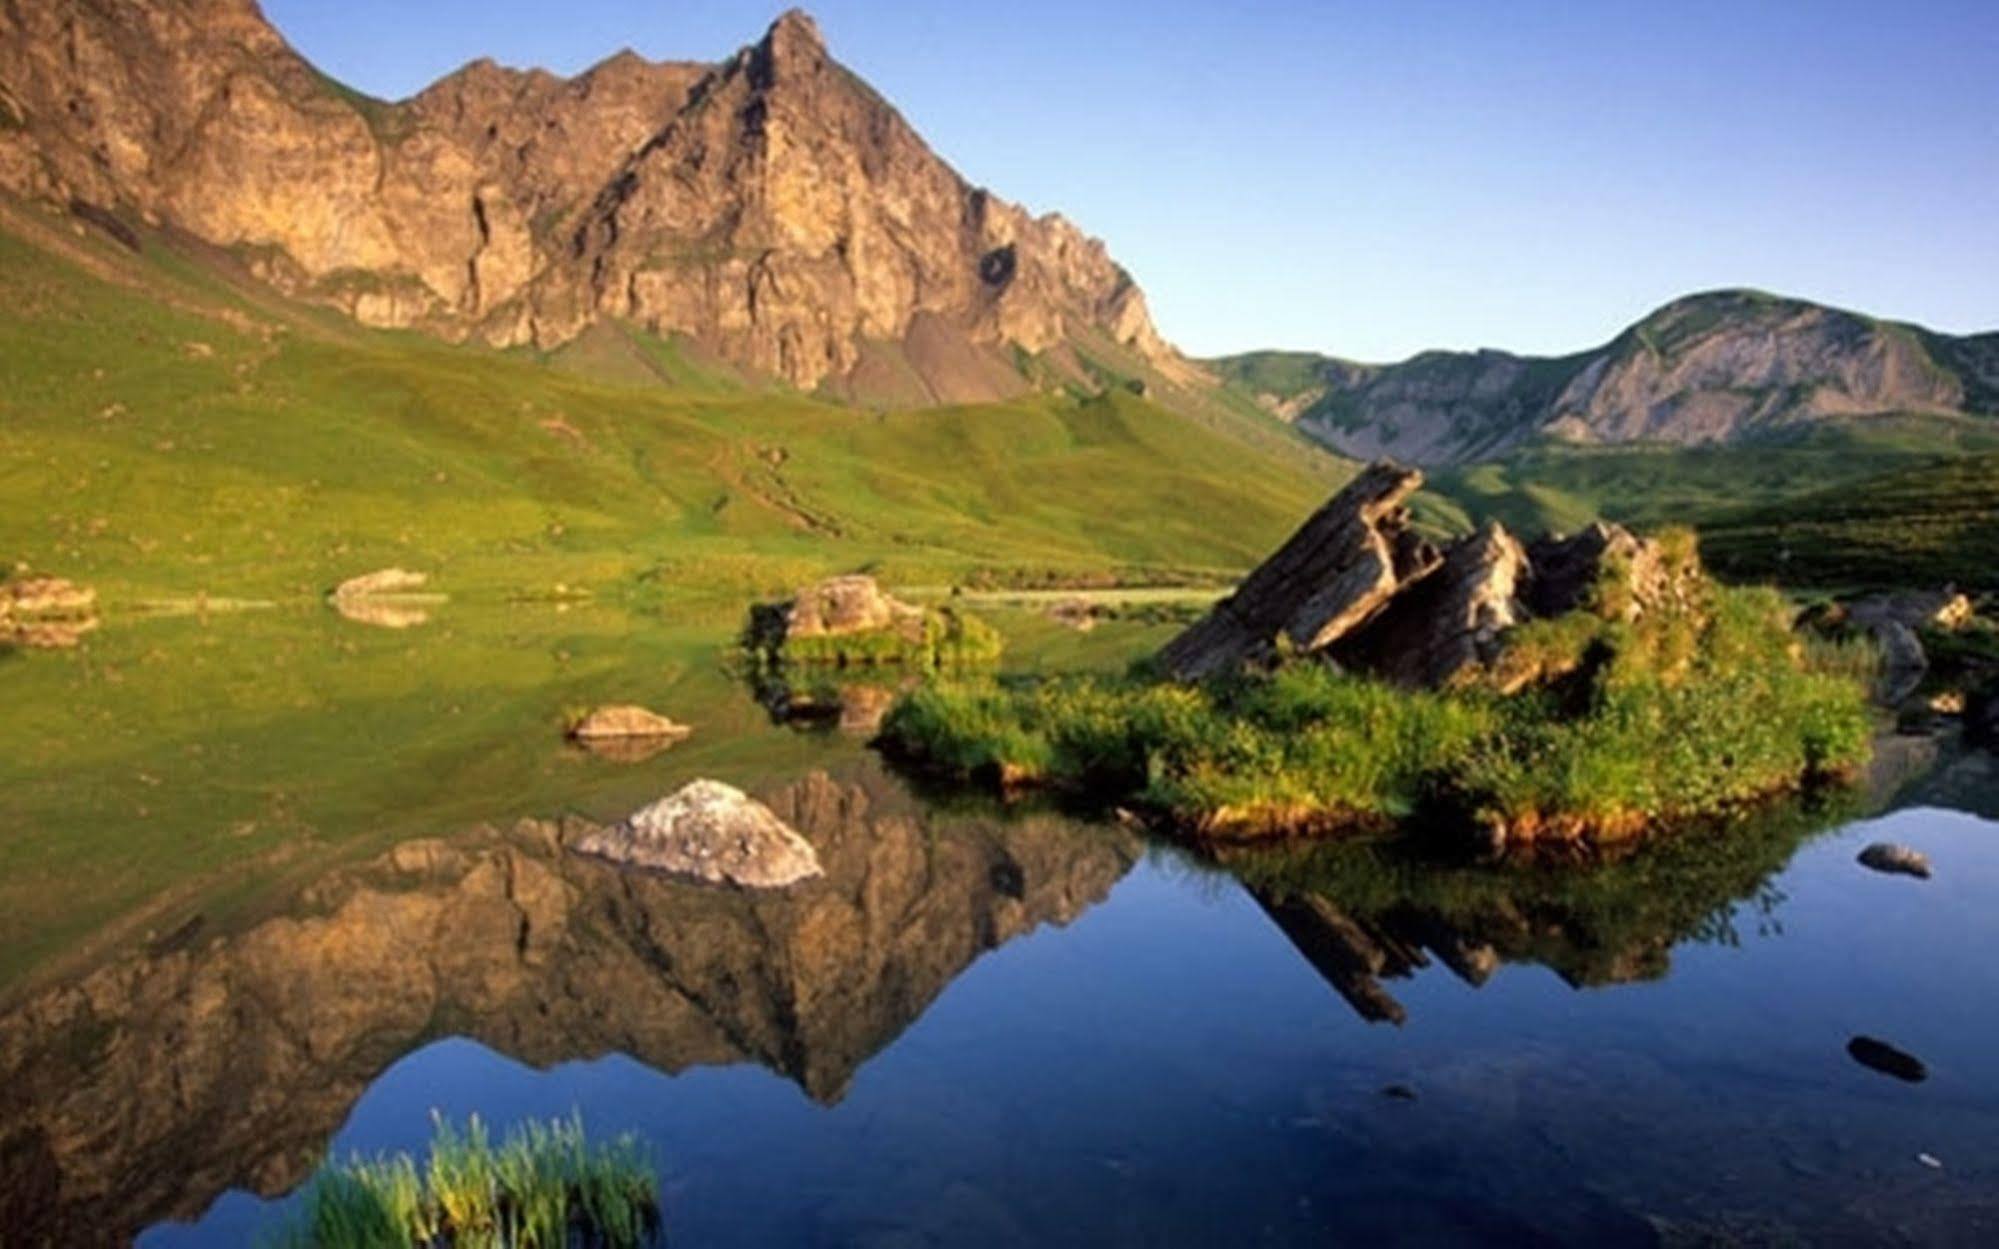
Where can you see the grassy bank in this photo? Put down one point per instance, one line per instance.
(1633, 726)
(543, 1187)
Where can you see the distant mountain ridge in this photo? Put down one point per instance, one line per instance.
(1717, 367)
(773, 210)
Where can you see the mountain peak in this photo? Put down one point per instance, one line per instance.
(793, 44)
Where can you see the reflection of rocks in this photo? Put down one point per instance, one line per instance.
(1363, 913)
(856, 707)
(46, 635)
(391, 598)
(622, 750)
(144, 1089)
(382, 613)
(711, 832)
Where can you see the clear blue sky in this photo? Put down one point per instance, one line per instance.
(1374, 179)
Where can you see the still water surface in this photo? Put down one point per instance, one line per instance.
(1012, 1027)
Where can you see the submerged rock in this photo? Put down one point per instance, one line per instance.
(625, 721)
(1886, 1059)
(1895, 860)
(712, 832)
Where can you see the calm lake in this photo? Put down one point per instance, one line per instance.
(276, 885)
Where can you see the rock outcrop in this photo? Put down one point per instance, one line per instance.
(224, 1056)
(625, 721)
(1709, 368)
(843, 606)
(710, 832)
(773, 211)
(1335, 573)
(1357, 587)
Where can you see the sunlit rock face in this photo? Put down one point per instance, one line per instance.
(772, 209)
(142, 1090)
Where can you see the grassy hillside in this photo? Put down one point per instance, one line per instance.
(166, 432)
(1563, 487)
(1921, 525)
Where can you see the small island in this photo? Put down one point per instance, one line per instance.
(1571, 690)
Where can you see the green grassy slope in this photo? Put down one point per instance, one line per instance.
(1562, 487)
(1926, 524)
(164, 432)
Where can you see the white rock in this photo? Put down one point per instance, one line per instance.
(712, 832)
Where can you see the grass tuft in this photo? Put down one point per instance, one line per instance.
(543, 1187)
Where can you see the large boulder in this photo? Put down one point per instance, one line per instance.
(1328, 579)
(1358, 586)
(840, 606)
(1609, 570)
(711, 832)
(1449, 625)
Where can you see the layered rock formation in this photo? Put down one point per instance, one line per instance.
(214, 1060)
(1718, 367)
(773, 209)
(1356, 586)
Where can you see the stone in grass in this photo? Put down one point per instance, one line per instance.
(382, 581)
(625, 720)
(712, 832)
(1896, 860)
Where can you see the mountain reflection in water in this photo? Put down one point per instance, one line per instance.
(147, 1088)
(1084, 1075)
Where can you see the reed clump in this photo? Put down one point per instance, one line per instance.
(543, 1186)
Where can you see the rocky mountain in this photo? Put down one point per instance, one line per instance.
(1720, 367)
(772, 211)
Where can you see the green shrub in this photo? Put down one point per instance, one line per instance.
(1682, 714)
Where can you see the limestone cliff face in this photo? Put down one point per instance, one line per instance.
(774, 209)
(144, 1089)
(1721, 367)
